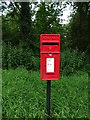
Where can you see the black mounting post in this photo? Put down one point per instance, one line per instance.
(48, 99)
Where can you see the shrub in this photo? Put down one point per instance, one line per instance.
(16, 56)
(71, 60)
(13, 57)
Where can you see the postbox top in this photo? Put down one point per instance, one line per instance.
(50, 37)
(49, 43)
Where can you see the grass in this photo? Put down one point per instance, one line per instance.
(0, 93)
(24, 95)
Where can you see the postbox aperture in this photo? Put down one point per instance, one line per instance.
(49, 56)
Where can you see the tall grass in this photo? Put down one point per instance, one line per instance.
(24, 95)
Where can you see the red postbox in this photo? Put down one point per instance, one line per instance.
(49, 56)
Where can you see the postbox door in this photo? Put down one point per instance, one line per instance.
(50, 66)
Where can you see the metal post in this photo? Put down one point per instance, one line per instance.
(48, 99)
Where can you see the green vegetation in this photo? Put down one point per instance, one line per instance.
(24, 22)
(0, 93)
(71, 60)
(24, 95)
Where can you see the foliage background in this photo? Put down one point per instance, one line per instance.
(22, 25)
(24, 22)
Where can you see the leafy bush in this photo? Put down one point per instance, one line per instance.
(71, 60)
(12, 57)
